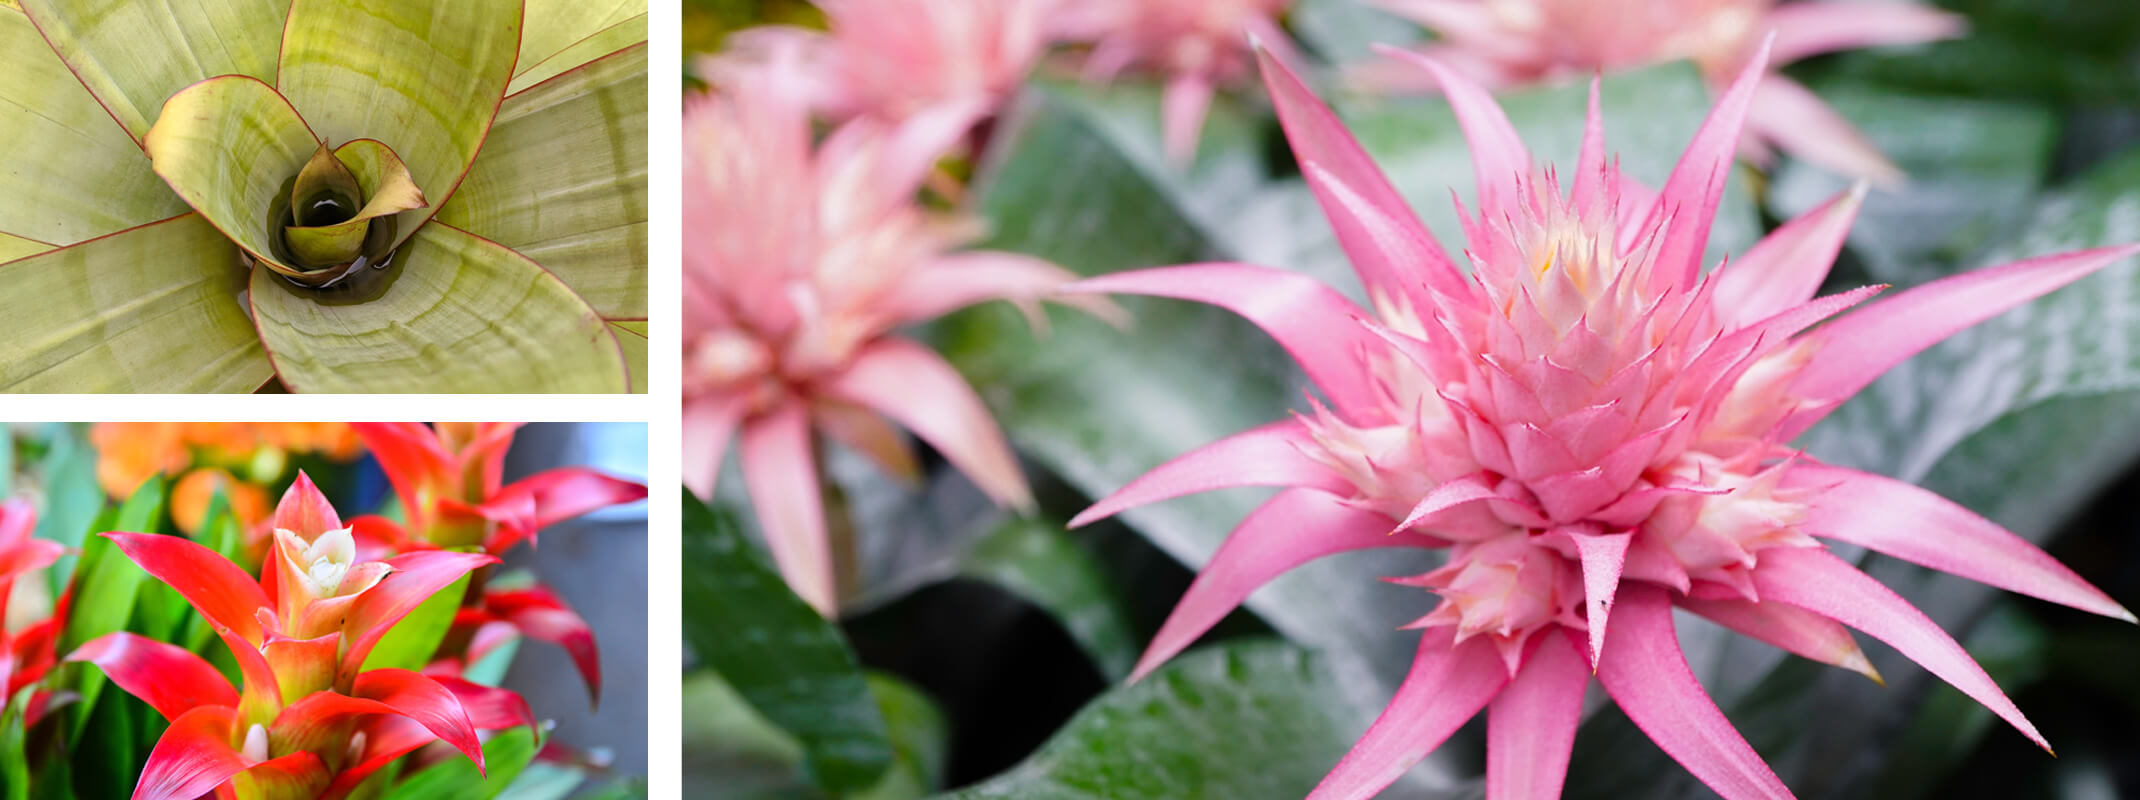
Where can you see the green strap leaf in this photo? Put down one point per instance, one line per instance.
(1256, 719)
(631, 337)
(14, 247)
(616, 37)
(785, 660)
(563, 179)
(133, 55)
(451, 313)
(554, 26)
(231, 146)
(505, 756)
(423, 77)
(153, 309)
(72, 174)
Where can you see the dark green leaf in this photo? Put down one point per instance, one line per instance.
(1039, 561)
(72, 495)
(2067, 51)
(105, 592)
(1235, 720)
(732, 753)
(788, 662)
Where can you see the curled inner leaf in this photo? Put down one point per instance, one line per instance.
(335, 201)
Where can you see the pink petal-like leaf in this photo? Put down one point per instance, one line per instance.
(299, 774)
(219, 589)
(1602, 556)
(1790, 115)
(868, 433)
(1314, 323)
(490, 708)
(957, 280)
(1182, 106)
(305, 511)
(1786, 267)
(1318, 138)
(916, 388)
(171, 679)
(1817, 581)
(1923, 528)
(415, 577)
(1807, 29)
(1791, 628)
(420, 698)
(1499, 159)
(708, 424)
(1448, 495)
(552, 496)
(1445, 687)
(1860, 347)
(1691, 194)
(409, 453)
(193, 757)
(781, 474)
(1530, 727)
(1590, 173)
(1649, 679)
(1291, 529)
(1265, 456)
(541, 615)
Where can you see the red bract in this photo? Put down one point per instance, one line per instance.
(1597, 431)
(450, 480)
(309, 721)
(25, 655)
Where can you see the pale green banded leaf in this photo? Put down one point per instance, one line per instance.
(616, 37)
(153, 309)
(134, 54)
(423, 77)
(631, 337)
(554, 26)
(451, 313)
(14, 247)
(562, 180)
(229, 147)
(71, 173)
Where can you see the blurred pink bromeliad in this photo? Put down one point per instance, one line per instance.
(799, 263)
(1595, 430)
(893, 59)
(1196, 46)
(1509, 42)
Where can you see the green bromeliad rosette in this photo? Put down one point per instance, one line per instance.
(325, 195)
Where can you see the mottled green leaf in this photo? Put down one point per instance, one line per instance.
(791, 665)
(154, 309)
(452, 313)
(14, 247)
(1257, 719)
(624, 33)
(2067, 51)
(423, 77)
(1969, 177)
(134, 55)
(562, 180)
(70, 173)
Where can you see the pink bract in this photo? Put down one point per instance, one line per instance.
(1512, 42)
(800, 263)
(893, 59)
(1597, 431)
(1194, 46)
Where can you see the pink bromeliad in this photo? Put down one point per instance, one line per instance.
(893, 59)
(800, 262)
(1595, 430)
(1511, 42)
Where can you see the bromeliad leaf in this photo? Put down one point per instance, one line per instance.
(791, 665)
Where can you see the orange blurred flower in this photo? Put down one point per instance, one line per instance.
(239, 457)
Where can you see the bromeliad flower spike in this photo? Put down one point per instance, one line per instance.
(450, 479)
(799, 263)
(308, 721)
(322, 195)
(1597, 432)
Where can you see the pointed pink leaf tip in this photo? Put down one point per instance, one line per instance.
(304, 510)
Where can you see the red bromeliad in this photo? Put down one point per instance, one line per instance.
(25, 655)
(309, 721)
(451, 482)
(1594, 429)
